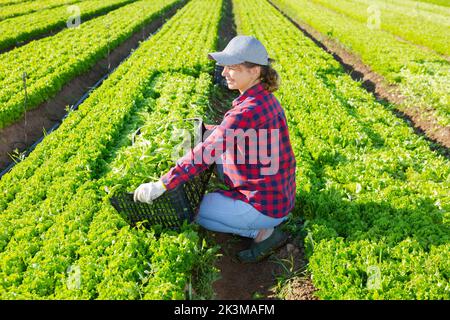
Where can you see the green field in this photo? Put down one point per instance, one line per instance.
(52, 62)
(77, 227)
(422, 75)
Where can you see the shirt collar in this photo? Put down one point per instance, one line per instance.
(252, 91)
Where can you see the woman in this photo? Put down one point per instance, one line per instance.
(261, 186)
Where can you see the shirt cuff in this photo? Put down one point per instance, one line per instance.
(165, 181)
(161, 185)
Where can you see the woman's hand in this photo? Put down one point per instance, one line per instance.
(147, 192)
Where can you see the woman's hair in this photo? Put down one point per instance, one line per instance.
(269, 76)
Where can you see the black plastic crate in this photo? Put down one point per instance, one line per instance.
(173, 207)
(169, 210)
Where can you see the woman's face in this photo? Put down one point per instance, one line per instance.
(240, 77)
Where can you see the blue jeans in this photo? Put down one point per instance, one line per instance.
(224, 214)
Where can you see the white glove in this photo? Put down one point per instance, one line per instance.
(147, 192)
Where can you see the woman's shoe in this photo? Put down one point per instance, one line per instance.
(263, 249)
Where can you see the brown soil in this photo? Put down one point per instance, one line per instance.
(297, 284)
(241, 281)
(227, 29)
(300, 288)
(421, 120)
(23, 133)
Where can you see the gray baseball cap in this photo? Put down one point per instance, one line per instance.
(241, 49)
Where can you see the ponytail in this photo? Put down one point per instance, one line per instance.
(270, 78)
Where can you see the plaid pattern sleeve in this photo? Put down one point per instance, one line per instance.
(253, 145)
(204, 154)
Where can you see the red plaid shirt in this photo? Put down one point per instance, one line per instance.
(271, 193)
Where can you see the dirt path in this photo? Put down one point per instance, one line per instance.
(421, 120)
(260, 280)
(241, 281)
(25, 132)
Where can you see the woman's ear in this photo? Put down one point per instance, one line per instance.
(256, 71)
